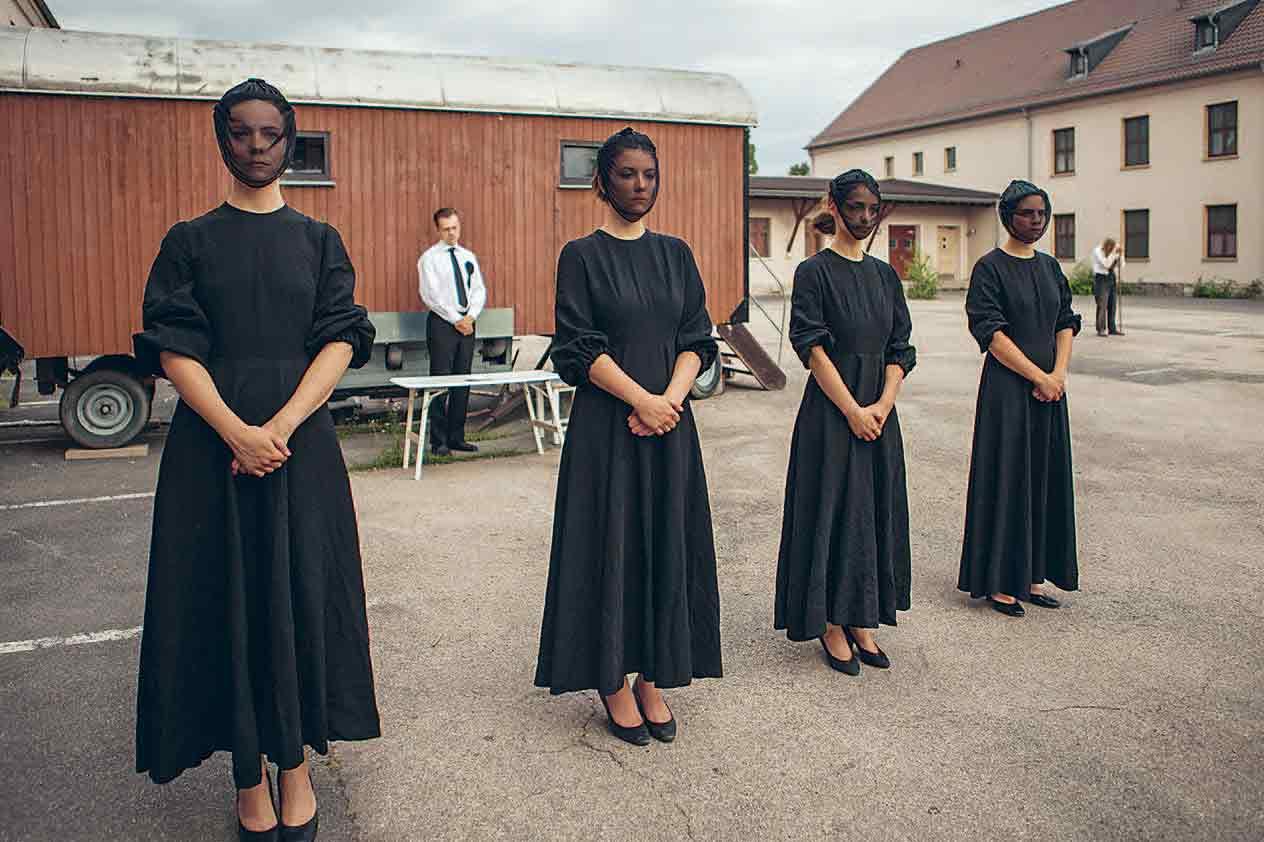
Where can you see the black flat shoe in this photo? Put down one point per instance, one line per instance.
(464, 447)
(637, 735)
(1117, 333)
(270, 835)
(1044, 601)
(441, 450)
(878, 660)
(664, 732)
(851, 666)
(1009, 609)
(305, 832)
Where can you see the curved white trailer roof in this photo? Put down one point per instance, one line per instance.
(103, 64)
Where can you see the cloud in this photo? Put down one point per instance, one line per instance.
(803, 62)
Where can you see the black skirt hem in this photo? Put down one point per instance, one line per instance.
(319, 747)
(811, 637)
(671, 685)
(1069, 588)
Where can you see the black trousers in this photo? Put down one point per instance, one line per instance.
(450, 353)
(1104, 290)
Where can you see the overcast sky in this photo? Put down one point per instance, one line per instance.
(802, 61)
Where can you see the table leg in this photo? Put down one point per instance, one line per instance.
(426, 397)
(408, 426)
(555, 404)
(531, 391)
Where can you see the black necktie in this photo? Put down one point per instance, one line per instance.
(462, 301)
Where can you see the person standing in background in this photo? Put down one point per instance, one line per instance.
(1107, 257)
(451, 286)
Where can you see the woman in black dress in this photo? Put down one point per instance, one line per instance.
(256, 640)
(1020, 506)
(844, 562)
(632, 583)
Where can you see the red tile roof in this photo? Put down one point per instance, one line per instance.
(893, 189)
(1023, 63)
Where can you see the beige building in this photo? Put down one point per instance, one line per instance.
(1143, 120)
(26, 13)
(954, 226)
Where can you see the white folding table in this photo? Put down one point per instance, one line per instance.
(540, 386)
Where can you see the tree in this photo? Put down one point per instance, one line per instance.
(801, 168)
(752, 166)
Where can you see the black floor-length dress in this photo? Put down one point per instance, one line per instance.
(256, 639)
(844, 555)
(1020, 505)
(632, 578)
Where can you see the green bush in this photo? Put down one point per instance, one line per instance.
(923, 278)
(1225, 288)
(1081, 279)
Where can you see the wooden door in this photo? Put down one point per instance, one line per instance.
(948, 259)
(902, 247)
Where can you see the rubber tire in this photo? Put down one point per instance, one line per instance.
(83, 387)
(709, 383)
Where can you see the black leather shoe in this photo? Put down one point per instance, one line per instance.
(851, 666)
(664, 732)
(637, 735)
(878, 660)
(270, 835)
(1044, 601)
(1009, 609)
(305, 832)
(464, 447)
(440, 450)
(1117, 333)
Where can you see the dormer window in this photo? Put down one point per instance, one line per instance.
(1079, 64)
(1205, 35)
(1213, 28)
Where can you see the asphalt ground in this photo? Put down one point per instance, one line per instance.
(1134, 712)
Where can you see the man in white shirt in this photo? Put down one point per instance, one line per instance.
(451, 286)
(1106, 258)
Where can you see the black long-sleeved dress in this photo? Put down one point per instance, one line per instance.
(845, 555)
(1020, 505)
(256, 639)
(632, 576)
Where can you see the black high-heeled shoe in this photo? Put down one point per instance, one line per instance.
(851, 666)
(637, 735)
(306, 832)
(269, 835)
(664, 732)
(1009, 609)
(878, 660)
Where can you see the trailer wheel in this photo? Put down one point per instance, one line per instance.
(709, 383)
(105, 408)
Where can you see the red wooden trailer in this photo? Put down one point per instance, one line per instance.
(106, 140)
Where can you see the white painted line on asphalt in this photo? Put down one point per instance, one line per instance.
(74, 640)
(1148, 371)
(42, 504)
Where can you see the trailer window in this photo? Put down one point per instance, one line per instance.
(579, 163)
(311, 161)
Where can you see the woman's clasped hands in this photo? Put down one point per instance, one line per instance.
(655, 415)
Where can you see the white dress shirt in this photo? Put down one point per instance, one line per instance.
(438, 287)
(1102, 265)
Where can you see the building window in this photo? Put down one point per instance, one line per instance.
(1064, 236)
(950, 159)
(311, 159)
(1222, 231)
(1136, 141)
(1137, 234)
(579, 163)
(917, 163)
(888, 166)
(759, 235)
(1063, 151)
(1222, 130)
(1204, 35)
(1079, 64)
